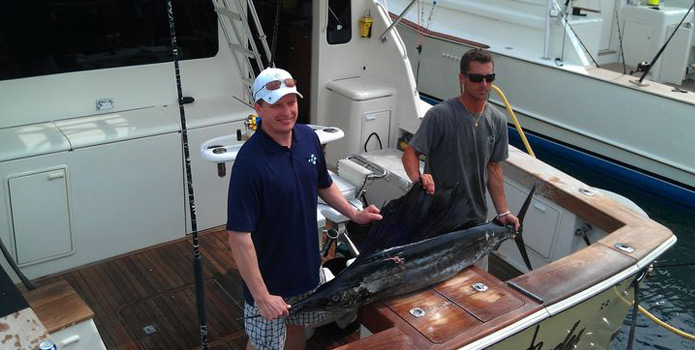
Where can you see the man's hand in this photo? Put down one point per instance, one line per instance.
(510, 219)
(367, 215)
(272, 307)
(427, 183)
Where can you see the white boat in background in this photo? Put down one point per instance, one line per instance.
(92, 172)
(545, 65)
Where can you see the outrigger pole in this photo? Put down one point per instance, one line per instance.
(197, 258)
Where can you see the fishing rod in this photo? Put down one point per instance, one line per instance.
(197, 258)
(575, 35)
(271, 59)
(620, 39)
(663, 47)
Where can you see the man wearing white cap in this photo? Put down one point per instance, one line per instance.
(271, 215)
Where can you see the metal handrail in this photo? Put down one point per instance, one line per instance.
(395, 22)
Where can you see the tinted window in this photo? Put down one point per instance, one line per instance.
(39, 37)
(339, 22)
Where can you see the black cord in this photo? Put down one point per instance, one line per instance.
(377, 138)
(13, 265)
(633, 322)
(197, 258)
(674, 265)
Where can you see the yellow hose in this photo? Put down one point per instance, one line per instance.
(530, 151)
(656, 320)
(516, 121)
(664, 324)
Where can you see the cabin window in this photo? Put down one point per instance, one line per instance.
(41, 37)
(339, 22)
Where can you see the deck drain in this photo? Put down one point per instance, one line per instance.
(417, 312)
(480, 287)
(149, 329)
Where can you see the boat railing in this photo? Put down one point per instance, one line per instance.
(395, 22)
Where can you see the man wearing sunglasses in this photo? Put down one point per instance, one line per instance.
(271, 215)
(465, 140)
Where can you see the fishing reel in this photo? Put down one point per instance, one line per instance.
(641, 67)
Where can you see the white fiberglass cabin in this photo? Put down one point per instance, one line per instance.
(93, 177)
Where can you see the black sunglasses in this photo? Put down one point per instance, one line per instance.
(477, 78)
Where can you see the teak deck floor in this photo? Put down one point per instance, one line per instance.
(155, 287)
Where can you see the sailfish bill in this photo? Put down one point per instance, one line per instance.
(410, 267)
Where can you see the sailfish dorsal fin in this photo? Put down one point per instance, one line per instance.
(417, 216)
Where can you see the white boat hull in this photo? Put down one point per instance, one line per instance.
(591, 109)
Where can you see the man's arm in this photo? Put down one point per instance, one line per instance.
(333, 197)
(411, 163)
(269, 306)
(495, 185)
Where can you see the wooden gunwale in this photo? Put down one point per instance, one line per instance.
(585, 268)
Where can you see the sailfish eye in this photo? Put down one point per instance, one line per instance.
(335, 298)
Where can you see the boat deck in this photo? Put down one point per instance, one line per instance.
(155, 287)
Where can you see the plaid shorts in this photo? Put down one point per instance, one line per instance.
(265, 334)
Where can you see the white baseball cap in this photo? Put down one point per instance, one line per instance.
(261, 90)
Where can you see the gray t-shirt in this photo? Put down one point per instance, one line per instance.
(458, 151)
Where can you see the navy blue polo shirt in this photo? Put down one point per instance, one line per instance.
(273, 192)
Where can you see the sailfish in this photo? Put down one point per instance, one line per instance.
(417, 244)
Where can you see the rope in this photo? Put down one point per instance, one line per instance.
(656, 319)
(665, 325)
(633, 321)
